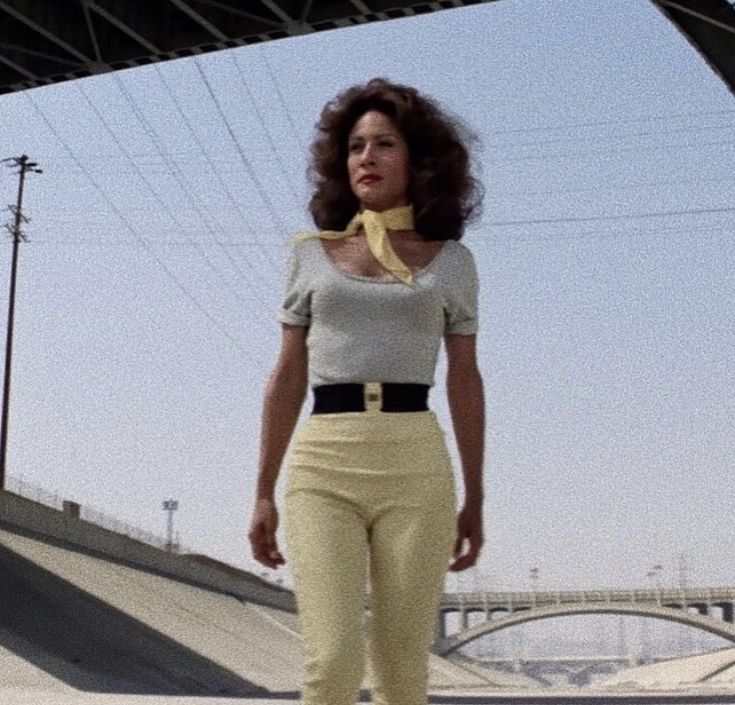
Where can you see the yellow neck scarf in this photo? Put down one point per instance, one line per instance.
(376, 226)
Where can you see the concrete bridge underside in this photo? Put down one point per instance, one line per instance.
(49, 42)
(447, 644)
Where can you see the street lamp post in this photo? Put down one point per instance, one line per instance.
(170, 506)
(533, 575)
(655, 575)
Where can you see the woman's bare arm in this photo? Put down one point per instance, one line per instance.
(282, 402)
(467, 407)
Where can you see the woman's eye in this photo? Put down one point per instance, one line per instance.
(355, 147)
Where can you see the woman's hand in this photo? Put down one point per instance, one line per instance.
(262, 534)
(469, 528)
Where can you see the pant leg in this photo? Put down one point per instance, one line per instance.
(327, 551)
(410, 546)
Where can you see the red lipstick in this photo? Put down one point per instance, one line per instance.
(369, 179)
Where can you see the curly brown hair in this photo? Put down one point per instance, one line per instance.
(444, 193)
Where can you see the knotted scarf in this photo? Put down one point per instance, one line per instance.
(376, 224)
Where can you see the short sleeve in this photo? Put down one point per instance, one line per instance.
(460, 310)
(296, 308)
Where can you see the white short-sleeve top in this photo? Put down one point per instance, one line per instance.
(366, 329)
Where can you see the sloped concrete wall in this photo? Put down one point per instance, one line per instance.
(20, 513)
(73, 621)
(697, 671)
(85, 609)
(97, 625)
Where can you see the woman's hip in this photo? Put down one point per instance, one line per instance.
(371, 452)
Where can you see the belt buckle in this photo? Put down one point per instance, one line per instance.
(373, 395)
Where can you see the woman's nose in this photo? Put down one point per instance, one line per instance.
(367, 155)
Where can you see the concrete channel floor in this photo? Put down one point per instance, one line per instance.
(32, 696)
(15, 696)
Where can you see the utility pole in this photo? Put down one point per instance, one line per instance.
(24, 165)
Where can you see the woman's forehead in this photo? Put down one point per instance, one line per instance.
(373, 122)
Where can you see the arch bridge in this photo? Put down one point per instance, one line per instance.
(709, 609)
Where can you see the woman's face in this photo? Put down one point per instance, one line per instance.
(378, 162)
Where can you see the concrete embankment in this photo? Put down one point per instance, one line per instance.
(710, 670)
(21, 514)
(85, 609)
(71, 620)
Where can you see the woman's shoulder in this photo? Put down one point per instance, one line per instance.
(302, 260)
(458, 255)
(304, 248)
(303, 241)
(457, 271)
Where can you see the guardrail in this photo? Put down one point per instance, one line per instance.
(485, 601)
(47, 522)
(95, 516)
(91, 514)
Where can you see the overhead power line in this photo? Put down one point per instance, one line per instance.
(603, 187)
(148, 158)
(236, 342)
(600, 234)
(626, 150)
(215, 167)
(281, 99)
(248, 166)
(287, 174)
(178, 176)
(591, 219)
(617, 121)
(605, 137)
(164, 206)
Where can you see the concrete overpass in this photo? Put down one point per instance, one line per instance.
(48, 42)
(695, 607)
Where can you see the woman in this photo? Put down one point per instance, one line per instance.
(370, 493)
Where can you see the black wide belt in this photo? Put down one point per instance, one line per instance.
(393, 398)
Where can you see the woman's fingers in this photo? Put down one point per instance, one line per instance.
(272, 554)
(469, 529)
(264, 545)
(262, 534)
(462, 561)
(458, 546)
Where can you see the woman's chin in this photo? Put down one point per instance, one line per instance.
(381, 204)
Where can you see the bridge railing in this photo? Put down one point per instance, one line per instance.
(511, 601)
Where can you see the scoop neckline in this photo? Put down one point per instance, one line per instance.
(379, 280)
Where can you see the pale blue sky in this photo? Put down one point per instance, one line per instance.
(145, 324)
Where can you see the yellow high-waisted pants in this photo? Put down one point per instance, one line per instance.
(369, 493)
